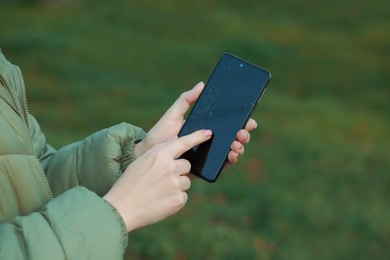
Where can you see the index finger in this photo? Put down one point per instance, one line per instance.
(185, 143)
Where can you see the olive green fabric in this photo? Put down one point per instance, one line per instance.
(50, 204)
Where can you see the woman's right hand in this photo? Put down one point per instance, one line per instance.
(154, 186)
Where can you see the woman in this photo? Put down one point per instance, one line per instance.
(81, 201)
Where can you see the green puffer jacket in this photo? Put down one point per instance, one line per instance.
(50, 204)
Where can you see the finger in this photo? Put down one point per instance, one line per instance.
(251, 125)
(184, 102)
(237, 147)
(185, 183)
(185, 166)
(232, 157)
(243, 136)
(185, 143)
(185, 198)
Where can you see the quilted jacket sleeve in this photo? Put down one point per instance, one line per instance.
(77, 224)
(95, 163)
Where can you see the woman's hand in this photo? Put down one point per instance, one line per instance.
(168, 127)
(154, 186)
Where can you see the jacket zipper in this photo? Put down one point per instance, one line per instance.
(24, 110)
(27, 119)
(4, 82)
(24, 102)
(47, 183)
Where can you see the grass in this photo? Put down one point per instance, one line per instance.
(313, 183)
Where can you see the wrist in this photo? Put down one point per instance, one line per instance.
(129, 221)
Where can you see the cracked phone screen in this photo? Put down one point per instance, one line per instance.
(225, 105)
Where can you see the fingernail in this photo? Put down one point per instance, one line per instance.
(200, 84)
(207, 133)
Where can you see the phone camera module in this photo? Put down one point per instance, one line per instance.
(241, 65)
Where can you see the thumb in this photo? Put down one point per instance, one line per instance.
(183, 103)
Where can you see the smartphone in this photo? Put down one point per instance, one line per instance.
(229, 98)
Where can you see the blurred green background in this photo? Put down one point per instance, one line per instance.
(314, 181)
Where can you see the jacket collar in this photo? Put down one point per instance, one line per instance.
(11, 84)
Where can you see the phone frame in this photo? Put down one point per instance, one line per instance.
(250, 112)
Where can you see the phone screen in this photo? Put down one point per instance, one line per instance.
(225, 105)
